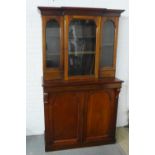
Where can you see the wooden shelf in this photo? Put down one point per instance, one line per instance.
(81, 52)
(53, 36)
(82, 37)
(108, 44)
(53, 54)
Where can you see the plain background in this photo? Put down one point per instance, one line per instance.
(13, 77)
(34, 106)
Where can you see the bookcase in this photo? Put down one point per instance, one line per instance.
(80, 88)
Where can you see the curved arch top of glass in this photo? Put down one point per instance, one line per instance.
(107, 45)
(81, 47)
(52, 44)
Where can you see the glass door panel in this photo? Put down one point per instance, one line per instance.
(81, 47)
(52, 44)
(107, 49)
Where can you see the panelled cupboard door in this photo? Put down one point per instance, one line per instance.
(52, 47)
(99, 116)
(81, 47)
(63, 119)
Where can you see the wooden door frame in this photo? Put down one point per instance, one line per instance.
(67, 20)
(109, 71)
(52, 73)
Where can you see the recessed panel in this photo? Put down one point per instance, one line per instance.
(65, 118)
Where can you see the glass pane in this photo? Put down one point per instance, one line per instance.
(82, 45)
(107, 49)
(52, 44)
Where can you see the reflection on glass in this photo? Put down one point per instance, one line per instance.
(107, 49)
(52, 44)
(82, 44)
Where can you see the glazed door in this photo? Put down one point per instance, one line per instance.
(52, 47)
(108, 46)
(99, 116)
(63, 119)
(81, 47)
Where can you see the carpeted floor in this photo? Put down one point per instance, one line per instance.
(35, 146)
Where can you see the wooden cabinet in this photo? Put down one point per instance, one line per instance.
(80, 88)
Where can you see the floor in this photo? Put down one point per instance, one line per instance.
(123, 139)
(35, 146)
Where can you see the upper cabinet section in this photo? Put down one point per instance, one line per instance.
(79, 43)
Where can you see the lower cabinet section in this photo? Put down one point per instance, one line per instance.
(80, 118)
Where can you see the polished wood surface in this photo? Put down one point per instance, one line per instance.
(79, 11)
(79, 110)
(99, 113)
(98, 29)
(64, 119)
(80, 115)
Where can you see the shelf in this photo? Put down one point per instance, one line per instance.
(108, 45)
(52, 54)
(82, 37)
(81, 52)
(53, 36)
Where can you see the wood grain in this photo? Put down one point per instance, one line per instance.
(79, 110)
(79, 11)
(80, 115)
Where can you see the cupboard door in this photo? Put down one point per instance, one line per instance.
(109, 27)
(81, 46)
(99, 116)
(64, 118)
(52, 47)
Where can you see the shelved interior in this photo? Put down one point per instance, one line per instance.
(52, 44)
(107, 48)
(82, 44)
